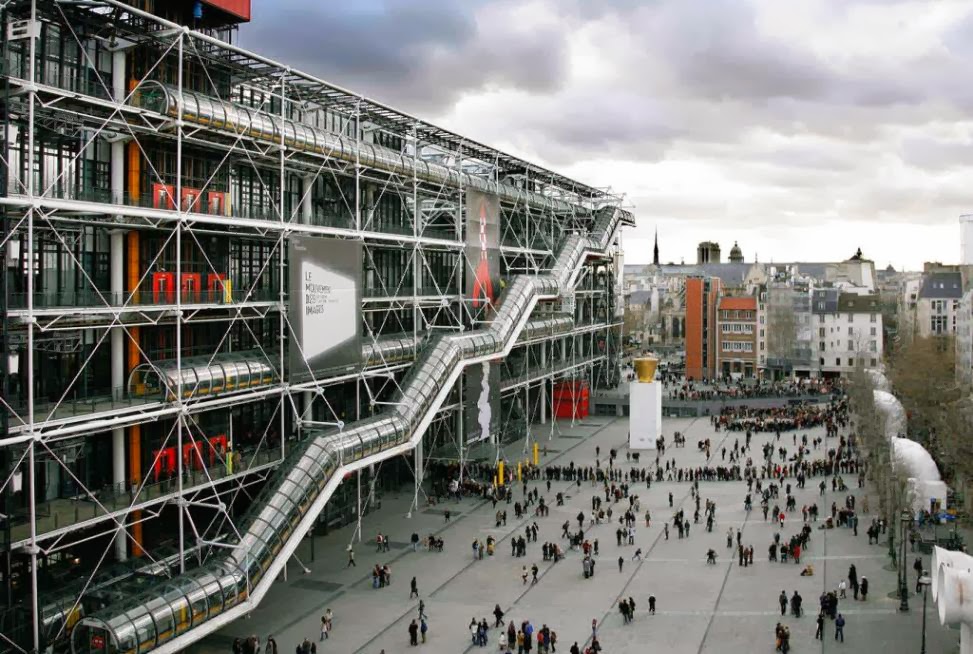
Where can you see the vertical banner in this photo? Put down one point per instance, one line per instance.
(482, 249)
(482, 387)
(325, 305)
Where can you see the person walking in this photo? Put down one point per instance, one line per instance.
(917, 566)
(652, 604)
(523, 574)
(819, 631)
(326, 622)
(414, 588)
(621, 562)
(783, 602)
(839, 628)
(864, 589)
(351, 557)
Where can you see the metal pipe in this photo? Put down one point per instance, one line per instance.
(240, 121)
(117, 250)
(179, 212)
(32, 497)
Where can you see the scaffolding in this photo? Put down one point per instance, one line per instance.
(152, 179)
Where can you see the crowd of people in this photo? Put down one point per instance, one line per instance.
(787, 418)
(681, 389)
(772, 473)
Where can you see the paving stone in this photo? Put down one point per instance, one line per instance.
(723, 609)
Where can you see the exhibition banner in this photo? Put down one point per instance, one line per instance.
(325, 305)
(481, 390)
(482, 248)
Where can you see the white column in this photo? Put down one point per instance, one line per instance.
(306, 409)
(307, 212)
(117, 254)
(544, 383)
(418, 473)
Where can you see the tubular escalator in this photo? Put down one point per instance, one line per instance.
(201, 601)
(202, 376)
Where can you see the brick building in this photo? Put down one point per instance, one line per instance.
(702, 297)
(736, 335)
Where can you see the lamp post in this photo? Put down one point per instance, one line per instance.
(905, 520)
(924, 581)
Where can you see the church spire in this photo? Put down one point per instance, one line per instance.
(655, 250)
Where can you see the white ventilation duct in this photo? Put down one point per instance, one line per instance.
(914, 458)
(952, 590)
(946, 559)
(879, 380)
(890, 407)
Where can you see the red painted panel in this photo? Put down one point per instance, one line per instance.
(163, 287)
(239, 8)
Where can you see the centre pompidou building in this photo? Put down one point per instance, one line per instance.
(239, 303)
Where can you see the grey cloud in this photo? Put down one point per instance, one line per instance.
(422, 57)
(935, 154)
(681, 80)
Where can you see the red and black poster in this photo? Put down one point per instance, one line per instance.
(482, 249)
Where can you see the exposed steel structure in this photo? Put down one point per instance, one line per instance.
(153, 177)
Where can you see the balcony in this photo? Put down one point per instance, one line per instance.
(96, 301)
(219, 204)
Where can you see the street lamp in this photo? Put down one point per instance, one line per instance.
(924, 581)
(905, 520)
(892, 546)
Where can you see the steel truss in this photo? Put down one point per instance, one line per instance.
(105, 187)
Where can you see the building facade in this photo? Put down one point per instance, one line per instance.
(738, 344)
(702, 298)
(848, 330)
(964, 340)
(937, 304)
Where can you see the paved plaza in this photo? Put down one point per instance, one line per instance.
(701, 608)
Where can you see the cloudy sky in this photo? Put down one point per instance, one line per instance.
(802, 129)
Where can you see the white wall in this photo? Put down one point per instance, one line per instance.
(864, 343)
(966, 240)
(964, 340)
(926, 308)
